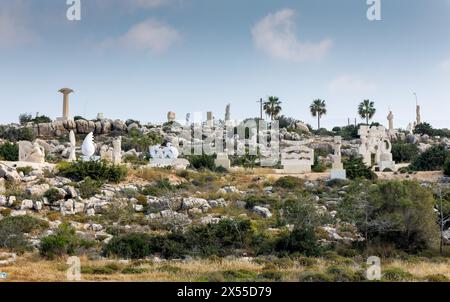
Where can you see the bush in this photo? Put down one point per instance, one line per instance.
(18, 134)
(314, 277)
(392, 213)
(9, 152)
(299, 240)
(257, 200)
(139, 141)
(404, 153)
(202, 240)
(89, 187)
(130, 246)
(436, 278)
(447, 166)
(53, 195)
(289, 182)
(25, 170)
(349, 132)
(12, 230)
(63, 242)
(424, 128)
(201, 162)
(431, 160)
(96, 170)
(356, 168)
(397, 274)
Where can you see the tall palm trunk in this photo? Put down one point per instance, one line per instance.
(318, 121)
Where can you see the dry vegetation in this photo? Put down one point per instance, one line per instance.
(31, 267)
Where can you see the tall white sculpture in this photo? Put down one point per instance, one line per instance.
(337, 171)
(117, 151)
(166, 157)
(297, 159)
(88, 148)
(73, 143)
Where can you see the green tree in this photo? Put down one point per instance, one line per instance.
(318, 109)
(366, 110)
(272, 107)
(392, 213)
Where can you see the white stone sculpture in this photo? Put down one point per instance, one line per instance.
(31, 152)
(166, 157)
(297, 159)
(88, 147)
(223, 161)
(337, 170)
(73, 144)
(375, 141)
(117, 151)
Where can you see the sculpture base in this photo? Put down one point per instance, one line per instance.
(387, 165)
(338, 174)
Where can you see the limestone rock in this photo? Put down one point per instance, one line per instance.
(262, 211)
(191, 203)
(27, 204)
(37, 190)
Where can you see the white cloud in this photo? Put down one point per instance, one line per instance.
(275, 35)
(351, 84)
(149, 36)
(14, 27)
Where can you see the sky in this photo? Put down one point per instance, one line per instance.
(140, 59)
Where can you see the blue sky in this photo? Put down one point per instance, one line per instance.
(142, 58)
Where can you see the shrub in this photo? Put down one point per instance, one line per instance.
(356, 168)
(89, 187)
(349, 132)
(18, 134)
(404, 153)
(9, 152)
(53, 195)
(139, 141)
(447, 166)
(424, 128)
(12, 230)
(256, 200)
(63, 242)
(436, 278)
(201, 162)
(431, 160)
(202, 240)
(159, 188)
(396, 274)
(96, 170)
(299, 240)
(392, 213)
(314, 277)
(342, 274)
(25, 170)
(289, 182)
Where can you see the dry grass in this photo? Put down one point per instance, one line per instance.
(31, 267)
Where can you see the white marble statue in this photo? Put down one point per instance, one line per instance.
(375, 141)
(88, 147)
(31, 152)
(73, 144)
(337, 170)
(117, 151)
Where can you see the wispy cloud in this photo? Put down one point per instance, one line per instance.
(151, 36)
(351, 85)
(275, 35)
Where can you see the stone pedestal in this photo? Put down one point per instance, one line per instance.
(387, 165)
(223, 161)
(338, 174)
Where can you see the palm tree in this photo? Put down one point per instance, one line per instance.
(318, 108)
(272, 107)
(367, 110)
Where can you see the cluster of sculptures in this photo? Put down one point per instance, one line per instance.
(375, 142)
